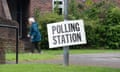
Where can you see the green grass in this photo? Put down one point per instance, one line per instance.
(30, 57)
(90, 51)
(52, 54)
(53, 68)
(80, 51)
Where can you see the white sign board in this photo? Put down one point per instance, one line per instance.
(66, 33)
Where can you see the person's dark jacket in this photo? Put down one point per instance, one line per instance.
(34, 32)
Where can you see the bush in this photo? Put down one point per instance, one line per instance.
(102, 26)
(43, 20)
(111, 25)
(101, 36)
(113, 37)
(73, 10)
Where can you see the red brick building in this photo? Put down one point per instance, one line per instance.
(20, 10)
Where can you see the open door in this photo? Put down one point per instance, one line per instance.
(19, 10)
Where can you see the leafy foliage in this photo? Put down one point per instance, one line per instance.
(43, 20)
(73, 10)
(102, 23)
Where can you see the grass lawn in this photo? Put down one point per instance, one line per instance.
(53, 68)
(82, 51)
(51, 54)
(29, 57)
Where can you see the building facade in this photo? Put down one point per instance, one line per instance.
(20, 10)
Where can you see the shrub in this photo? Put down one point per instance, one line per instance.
(43, 20)
(102, 26)
(111, 24)
(73, 11)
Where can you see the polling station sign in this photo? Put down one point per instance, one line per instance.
(66, 33)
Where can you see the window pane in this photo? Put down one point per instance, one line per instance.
(60, 11)
(59, 2)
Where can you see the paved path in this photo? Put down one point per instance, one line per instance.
(106, 60)
(109, 60)
(101, 59)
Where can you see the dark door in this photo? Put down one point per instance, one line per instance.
(19, 10)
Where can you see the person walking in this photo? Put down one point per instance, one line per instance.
(34, 34)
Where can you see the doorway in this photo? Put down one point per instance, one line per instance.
(19, 10)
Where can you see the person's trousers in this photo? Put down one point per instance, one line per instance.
(35, 45)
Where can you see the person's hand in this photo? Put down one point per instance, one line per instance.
(28, 35)
(31, 37)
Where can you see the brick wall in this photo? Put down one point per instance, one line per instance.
(118, 2)
(2, 56)
(43, 5)
(7, 45)
(8, 36)
(7, 32)
(2, 53)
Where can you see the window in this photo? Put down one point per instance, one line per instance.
(59, 2)
(60, 5)
(60, 11)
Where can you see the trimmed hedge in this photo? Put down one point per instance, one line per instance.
(101, 36)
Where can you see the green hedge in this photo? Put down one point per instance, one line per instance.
(43, 21)
(100, 36)
(102, 24)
